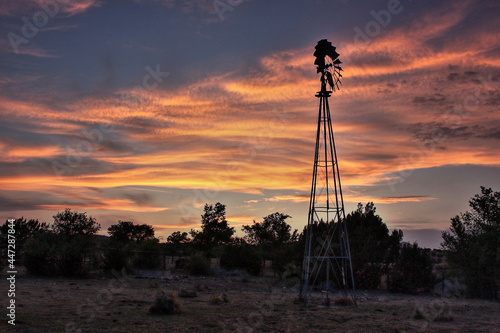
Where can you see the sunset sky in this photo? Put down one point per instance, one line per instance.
(145, 110)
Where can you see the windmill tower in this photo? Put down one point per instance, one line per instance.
(327, 258)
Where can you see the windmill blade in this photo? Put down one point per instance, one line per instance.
(329, 78)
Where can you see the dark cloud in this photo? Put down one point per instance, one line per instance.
(377, 59)
(62, 165)
(35, 200)
(136, 124)
(435, 99)
(439, 132)
(10, 202)
(141, 199)
(408, 197)
(493, 99)
(464, 77)
(363, 156)
(491, 134)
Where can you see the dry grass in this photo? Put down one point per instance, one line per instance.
(218, 299)
(343, 301)
(110, 305)
(166, 303)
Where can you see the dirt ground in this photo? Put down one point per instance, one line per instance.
(254, 304)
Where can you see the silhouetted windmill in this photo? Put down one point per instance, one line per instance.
(327, 258)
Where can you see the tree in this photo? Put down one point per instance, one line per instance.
(125, 232)
(272, 230)
(369, 236)
(70, 223)
(275, 238)
(41, 254)
(68, 249)
(24, 229)
(177, 238)
(243, 256)
(371, 245)
(412, 272)
(473, 244)
(134, 244)
(214, 228)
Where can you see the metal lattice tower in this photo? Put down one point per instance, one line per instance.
(327, 258)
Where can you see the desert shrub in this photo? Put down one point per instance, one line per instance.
(166, 303)
(148, 255)
(242, 256)
(198, 264)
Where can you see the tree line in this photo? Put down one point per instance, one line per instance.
(69, 247)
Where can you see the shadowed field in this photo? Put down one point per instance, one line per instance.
(256, 304)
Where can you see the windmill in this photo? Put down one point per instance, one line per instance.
(327, 259)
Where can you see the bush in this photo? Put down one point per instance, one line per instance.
(285, 255)
(242, 256)
(166, 303)
(368, 277)
(76, 255)
(412, 273)
(117, 259)
(148, 255)
(54, 254)
(40, 254)
(198, 264)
